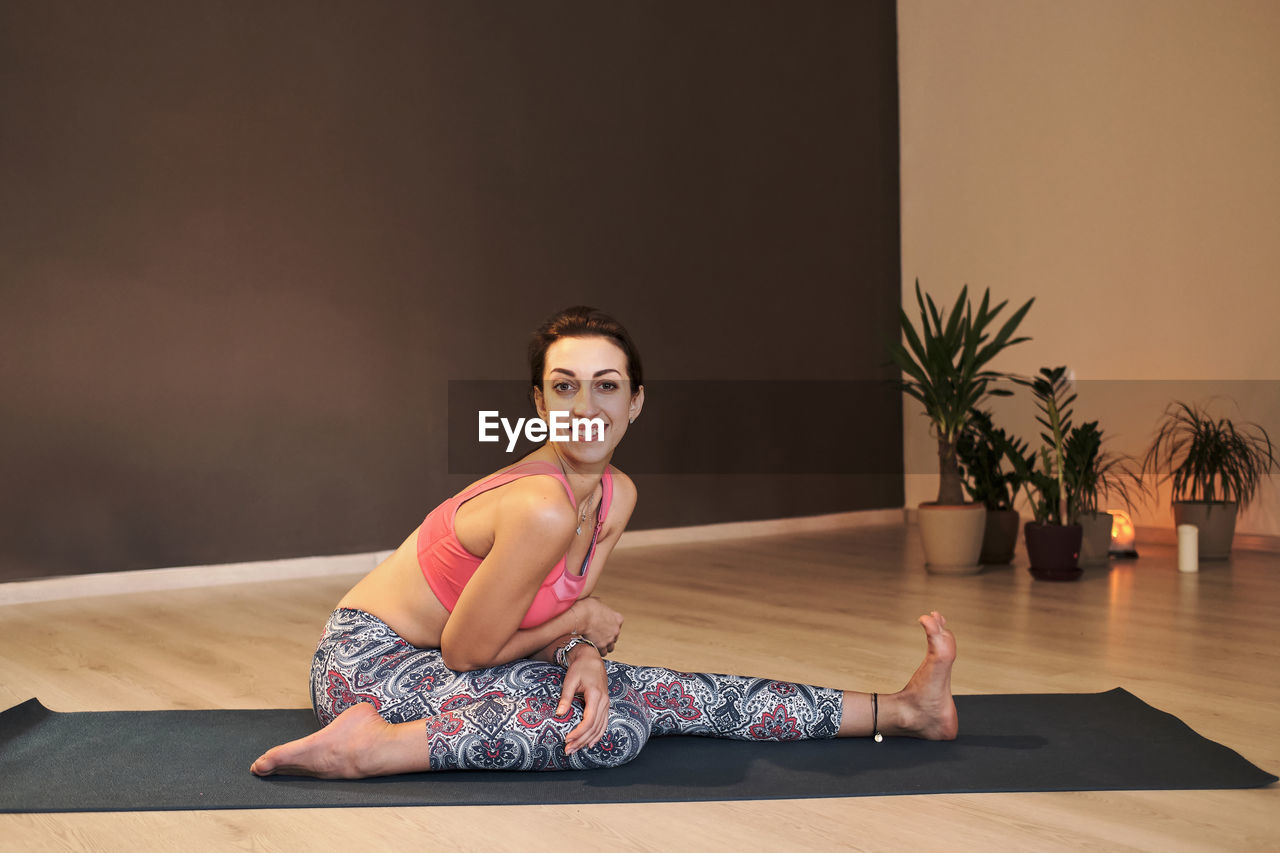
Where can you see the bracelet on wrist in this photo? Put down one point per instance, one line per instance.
(575, 640)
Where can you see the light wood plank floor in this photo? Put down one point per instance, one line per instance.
(833, 607)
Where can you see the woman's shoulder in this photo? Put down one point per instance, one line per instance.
(515, 477)
(521, 494)
(624, 488)
(534, 510)
(536, 490)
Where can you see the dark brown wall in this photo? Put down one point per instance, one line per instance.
(245, 246)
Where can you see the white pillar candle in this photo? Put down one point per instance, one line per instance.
(1188, 548)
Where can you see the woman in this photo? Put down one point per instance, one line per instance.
(470, 646)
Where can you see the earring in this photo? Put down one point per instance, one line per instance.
(631, 421)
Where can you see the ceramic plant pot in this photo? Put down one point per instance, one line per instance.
(1095, 546)
(1054, 550)
(999, 537)
(1217, 523)
(952, 537)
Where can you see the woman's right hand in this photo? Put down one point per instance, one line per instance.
(598, 622)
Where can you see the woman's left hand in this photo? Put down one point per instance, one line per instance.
(585, 677)
(598, 622)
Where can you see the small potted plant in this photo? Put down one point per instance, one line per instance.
(945, 366)
(1215, 468)
(1090, 473)
(983, 451)
(1053, 538)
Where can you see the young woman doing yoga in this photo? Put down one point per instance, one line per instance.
(478, 644)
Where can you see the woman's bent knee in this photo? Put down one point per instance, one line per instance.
(620, 744)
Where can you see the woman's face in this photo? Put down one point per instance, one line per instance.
(587, 378)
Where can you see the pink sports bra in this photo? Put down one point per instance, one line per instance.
(448, 566)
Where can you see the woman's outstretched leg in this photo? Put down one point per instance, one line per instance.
(745, 708)
(738, 707)
(924, 708)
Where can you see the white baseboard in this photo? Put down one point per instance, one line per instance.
(187, 577)
(764, 527)
(1166, 535)
(1239, 542)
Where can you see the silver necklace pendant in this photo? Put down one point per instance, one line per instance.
(582, 517)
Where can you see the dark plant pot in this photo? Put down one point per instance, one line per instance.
(1216, 521)
(999, 537)
(1054, 550)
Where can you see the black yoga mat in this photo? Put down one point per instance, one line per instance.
(146, 760)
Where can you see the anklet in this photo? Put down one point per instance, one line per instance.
(875, 718)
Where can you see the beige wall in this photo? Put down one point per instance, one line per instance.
(1118, 161)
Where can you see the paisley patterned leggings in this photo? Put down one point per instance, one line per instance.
(502, 718)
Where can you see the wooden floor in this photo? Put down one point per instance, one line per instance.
(836, 608)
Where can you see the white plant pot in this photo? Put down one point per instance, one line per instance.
(952, 537)
(1216, 521)
(1095, 547)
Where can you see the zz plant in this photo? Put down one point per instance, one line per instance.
(983, 449)
(1092, 472)
(1049, 500)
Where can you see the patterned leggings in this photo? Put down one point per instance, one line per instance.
(502, 718)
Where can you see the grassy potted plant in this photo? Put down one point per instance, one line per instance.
(1215, 468)
(1091, 473)
(984, 450)
(945, 365)
(1053, 538)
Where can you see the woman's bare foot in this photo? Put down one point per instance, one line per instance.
(924, 708)
(357, 744)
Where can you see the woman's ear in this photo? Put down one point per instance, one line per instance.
(539, 405)
(637, 403)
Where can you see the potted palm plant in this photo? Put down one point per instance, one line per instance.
(1092, 472)
(1215, 468)
(983, 450)
(945, 366)
(1053, 538)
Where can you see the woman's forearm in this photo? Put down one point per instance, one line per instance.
(597, 622)
(538, 641)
